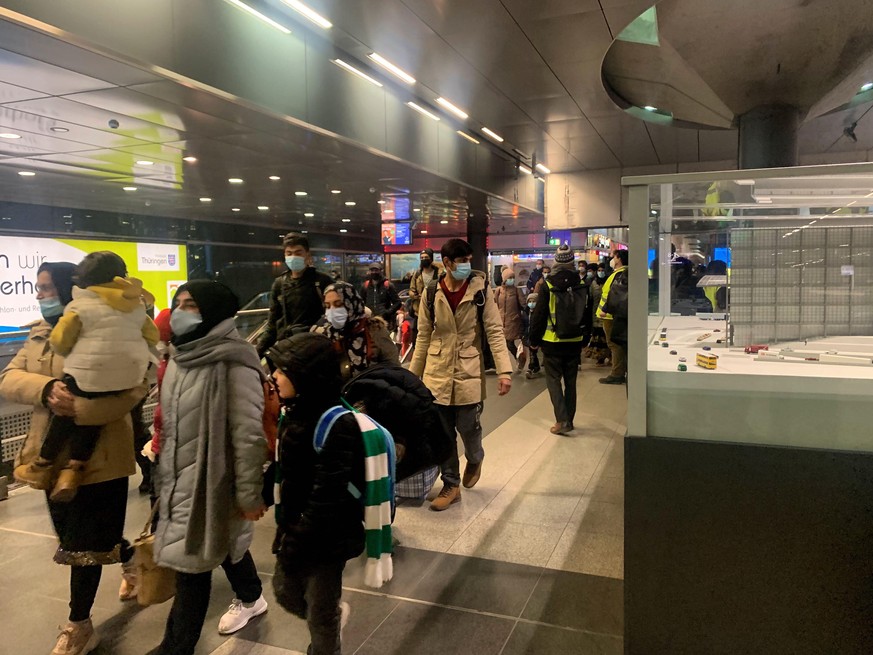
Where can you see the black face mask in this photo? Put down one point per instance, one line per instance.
(375, 276)
(425, 263)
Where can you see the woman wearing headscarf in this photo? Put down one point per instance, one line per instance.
(359, 340)
(90, 527)
(209, 474)
(512, 305)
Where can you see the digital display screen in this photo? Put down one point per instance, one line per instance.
(396, 234)
(724, 254)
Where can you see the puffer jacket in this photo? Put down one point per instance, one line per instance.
(25, 380)
(511, 304)
(212, 452)
(448, 352)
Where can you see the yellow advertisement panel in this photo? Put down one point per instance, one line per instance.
(161, 266)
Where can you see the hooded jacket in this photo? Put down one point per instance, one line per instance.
(561, 279)
(511, 304)
(212, 451)
(105, 336)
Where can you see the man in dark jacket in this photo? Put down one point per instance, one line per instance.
(380, 296)
(561, 355)
(320, 523)
(535, 276)
(297, 298)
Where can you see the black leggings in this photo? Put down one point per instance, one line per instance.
(84, 581)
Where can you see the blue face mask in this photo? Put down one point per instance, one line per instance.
(50, 307)
(295, 263)
(462, 271)
(337, 316)
(531, 305)
(601, 274)
(510, 282)
(182, 322)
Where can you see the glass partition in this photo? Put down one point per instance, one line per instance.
(758, 288)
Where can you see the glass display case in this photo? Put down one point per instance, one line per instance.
(751, 306)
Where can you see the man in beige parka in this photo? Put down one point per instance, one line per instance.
(455, 314)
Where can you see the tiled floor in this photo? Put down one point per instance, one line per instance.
(529, 562)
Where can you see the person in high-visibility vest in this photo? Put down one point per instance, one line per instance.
(619, 351)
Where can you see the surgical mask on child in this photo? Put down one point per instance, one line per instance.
(182, 322)
(337, 317)
(462, 271)
(510, 282)
(531, 305)
(295, 263)
(51, 307)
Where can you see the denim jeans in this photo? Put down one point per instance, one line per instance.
(463, 419)
(312, 591)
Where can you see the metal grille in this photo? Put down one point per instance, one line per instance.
(10, 447)
(148, 413)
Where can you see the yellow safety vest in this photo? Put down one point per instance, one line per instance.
(550, 335)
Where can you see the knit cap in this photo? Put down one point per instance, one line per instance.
(564, 255)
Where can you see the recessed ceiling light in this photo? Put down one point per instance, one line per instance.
(746, 182)
(189, 159)
(259, 15)
(650, 108)
(59, 129)
(424, 231)
(309, 214)
(129, 188)
(422, 111)
(389, 211)
(312, 15)
(350, 203)
(380, 202)
(347, 220)
(392, 68)
(867, 86)
(263, 208)
(343, 231)
(144, 162)
(26, 173)
(524, 169)
(460, 113)
(235, 180)
(205, 199)
(300, 193)
(235, 209)
(444, 222)
(543, 169)
(354, 71)
(492, 134)
(275, 178)
(304, 231)
(9, 135)
(468, 137)
(416, 209)
(335, 191)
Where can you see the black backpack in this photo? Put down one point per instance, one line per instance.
(616, 301)
(571, 306)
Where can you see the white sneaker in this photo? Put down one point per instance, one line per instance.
(238, 615)
(345, 613)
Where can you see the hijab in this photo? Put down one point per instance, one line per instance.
(353, 336)
(62, 278)
(215, 302)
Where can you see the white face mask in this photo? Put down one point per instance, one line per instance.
(182, 322)
(337, 316)
(616, 263)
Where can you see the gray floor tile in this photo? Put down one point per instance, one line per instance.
(479, 584)
(410, 566)
(529, 639)
(414, 629)
(608, 490)
(578, 600)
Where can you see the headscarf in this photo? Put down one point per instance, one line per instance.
(215, 302)
(62, 278)
(353, 336)
(310, 363)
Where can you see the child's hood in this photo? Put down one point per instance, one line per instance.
(123, 293)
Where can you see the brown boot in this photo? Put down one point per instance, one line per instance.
(450, 495)
(129, 581)
(77, 638)
(472, 473)
(559, 428)
(68, 482)
(37, 474)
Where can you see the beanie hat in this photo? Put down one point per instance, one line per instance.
(564, 255)
(310, 362)
(428, 252)
(507, 269)
(532, 297)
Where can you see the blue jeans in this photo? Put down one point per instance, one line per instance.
(464, 420)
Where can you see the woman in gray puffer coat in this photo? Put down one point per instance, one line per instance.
(209, 475)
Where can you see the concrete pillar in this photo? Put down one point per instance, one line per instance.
(478, 218)
(768, 137)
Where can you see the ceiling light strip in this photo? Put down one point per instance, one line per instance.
(468, 137)
(422, 111)
(542, 169)
(354, 71)
(492, 134)
(391, 68)
(254, 12)
(311, 14)
(524, 169)
(460, 113)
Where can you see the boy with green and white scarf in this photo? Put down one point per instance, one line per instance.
(334, 493)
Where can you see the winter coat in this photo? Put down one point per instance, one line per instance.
(381, 298)
(319, 519)
(212, 451)
(448, 352)
(535, 276)
(511, 303)
(26, 379)
(105, 336)
(417, 285)
(294, 303)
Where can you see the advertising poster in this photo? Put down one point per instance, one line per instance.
(162, 267)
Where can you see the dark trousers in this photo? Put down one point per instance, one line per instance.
(192, 602)
(562, 368)
(312, 591)
(63, 430)
(84, 581)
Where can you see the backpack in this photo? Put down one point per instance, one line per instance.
(616, 301)
(385, 284)
(478, 299)
(571, 306)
